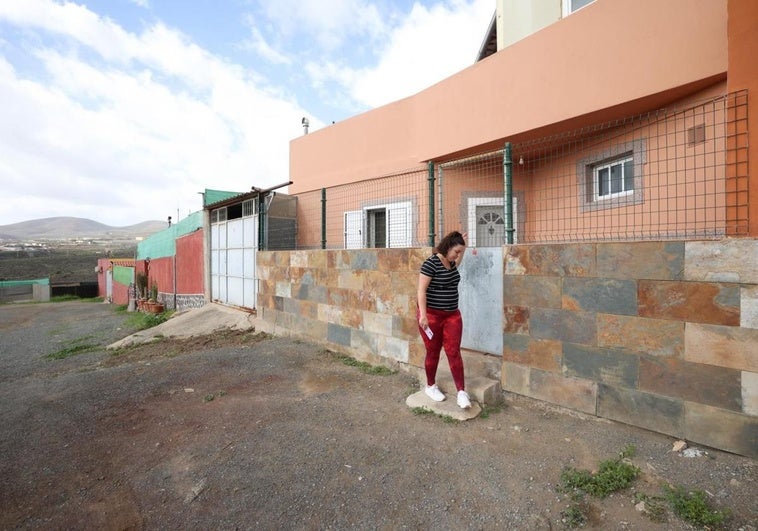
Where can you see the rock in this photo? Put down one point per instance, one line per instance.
(679, 446)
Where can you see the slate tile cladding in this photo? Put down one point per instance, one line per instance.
(661, 335)
(658, 334)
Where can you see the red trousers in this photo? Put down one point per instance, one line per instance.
(447, 330)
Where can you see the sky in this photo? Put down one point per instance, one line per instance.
(123, 111)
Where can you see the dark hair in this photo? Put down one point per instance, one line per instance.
(448, 242)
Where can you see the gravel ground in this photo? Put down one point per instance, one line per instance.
(238, 430)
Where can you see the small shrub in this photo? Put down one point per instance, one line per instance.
(692, 506)
(612, 475)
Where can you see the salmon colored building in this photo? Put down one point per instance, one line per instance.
(598, 155)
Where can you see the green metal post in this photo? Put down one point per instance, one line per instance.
(323, 218)
(431, 204)
(508, 173)
(261, 222)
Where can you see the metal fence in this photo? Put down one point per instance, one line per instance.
(673, 173)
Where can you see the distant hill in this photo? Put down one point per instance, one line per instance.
(59, 228)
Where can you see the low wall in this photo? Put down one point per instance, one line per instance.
(660, 335)
(25, 290)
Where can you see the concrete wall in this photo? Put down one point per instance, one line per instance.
(660, 335)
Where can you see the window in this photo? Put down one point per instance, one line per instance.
(249, 207)
(378, 226)
(569, 6)
(218, 215)
(612, 179)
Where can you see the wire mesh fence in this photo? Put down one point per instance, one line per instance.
(674, 173)
(390, 211)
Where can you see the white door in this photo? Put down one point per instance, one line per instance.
(486, 222)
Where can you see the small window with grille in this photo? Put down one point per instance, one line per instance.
(249, 208)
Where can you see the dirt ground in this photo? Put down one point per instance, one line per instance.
(238, 430)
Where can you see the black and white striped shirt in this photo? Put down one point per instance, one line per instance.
(442, 293)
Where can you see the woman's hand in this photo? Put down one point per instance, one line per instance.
(423, 322)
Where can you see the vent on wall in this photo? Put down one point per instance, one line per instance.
(696, 135)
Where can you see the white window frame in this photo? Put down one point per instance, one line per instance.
(586, 174)
(355, 225)
(621, 161)
(567, 7)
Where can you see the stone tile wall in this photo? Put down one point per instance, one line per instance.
(362, 302)
(661, 335)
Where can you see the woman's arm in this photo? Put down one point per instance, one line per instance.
(423, 284)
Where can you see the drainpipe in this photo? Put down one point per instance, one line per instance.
(508, 188)
(431, 204)
(261, 220)
(323, 218)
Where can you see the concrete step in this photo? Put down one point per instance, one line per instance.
(481, 390)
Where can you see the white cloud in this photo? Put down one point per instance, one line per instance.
(129, 126)
(122, 126)
(417, 50)
(429, 46)
(328, 23)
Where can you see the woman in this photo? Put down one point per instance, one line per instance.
(439, 319)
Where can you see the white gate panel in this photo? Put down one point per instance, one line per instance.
(481, 299)
(234, 265)
(233, 247)
(235, 293)
(250, 294)
(234, 234)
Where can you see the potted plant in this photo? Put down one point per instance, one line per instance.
(140, 281)
(153, 305)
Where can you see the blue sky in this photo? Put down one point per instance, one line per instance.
(122, 111)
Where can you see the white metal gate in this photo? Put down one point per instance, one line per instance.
(233, 247)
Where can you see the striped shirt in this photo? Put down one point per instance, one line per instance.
(442, 293)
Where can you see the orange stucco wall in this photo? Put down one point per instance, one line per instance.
(579, 70)
(743, 74)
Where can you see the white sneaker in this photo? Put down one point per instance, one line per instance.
(464, 402)
(433, 392)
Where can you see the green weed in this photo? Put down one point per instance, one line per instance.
(489, 410)
(655, 507)
(367, 368)
(78, 346)
(420, 411)
(612, 475)
(143, 321)
(692, 506)
(574, 516)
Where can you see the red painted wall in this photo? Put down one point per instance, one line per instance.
(189, 263)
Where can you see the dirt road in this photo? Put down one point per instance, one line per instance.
(243, 431)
